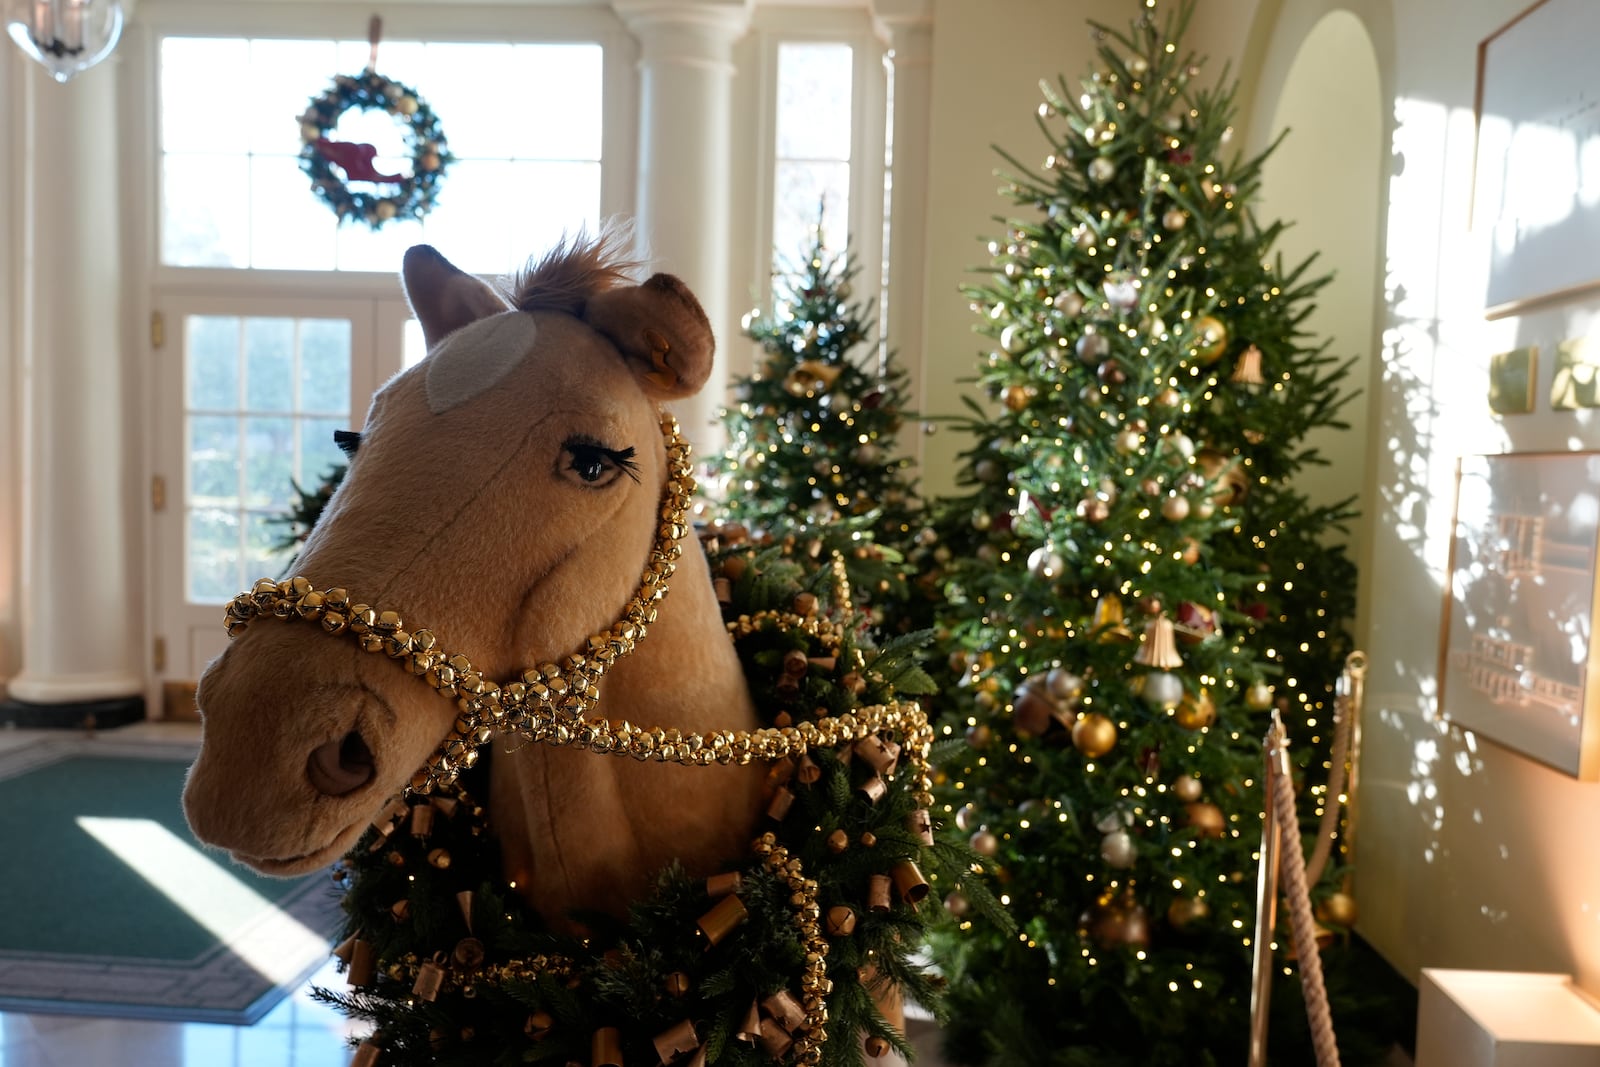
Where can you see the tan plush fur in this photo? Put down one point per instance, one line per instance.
(471, 522)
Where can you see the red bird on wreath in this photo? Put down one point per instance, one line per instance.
(355, 160)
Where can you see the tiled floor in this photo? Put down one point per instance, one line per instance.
(297, 1033)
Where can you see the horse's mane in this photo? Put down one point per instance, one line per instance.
(578, 267)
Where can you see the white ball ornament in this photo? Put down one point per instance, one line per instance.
(1127, 442)
(1046, 563)
(1121, 293)
(1102, 170)
(1162, 689)
(1093, 347)
(1174, 219)
(1118, 850)
(1013, 340)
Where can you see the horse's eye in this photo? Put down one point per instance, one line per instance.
(595, 465)
(347, 441)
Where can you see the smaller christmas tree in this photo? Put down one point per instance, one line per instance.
(811, 450)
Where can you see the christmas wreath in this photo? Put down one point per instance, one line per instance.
(393, 196)
(755, 965)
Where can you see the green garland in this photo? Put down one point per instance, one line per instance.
(426, 900)
(425, 143)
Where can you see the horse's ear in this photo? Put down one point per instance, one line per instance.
(443, 297)
(661, 330)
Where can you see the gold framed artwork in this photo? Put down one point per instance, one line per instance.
(1511, 380)
(1518, 632)
(1576, 381)
(1537, 83)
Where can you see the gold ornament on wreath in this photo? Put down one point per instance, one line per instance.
(337, 167)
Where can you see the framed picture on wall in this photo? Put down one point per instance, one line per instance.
(1538, 125)
(1520, 607)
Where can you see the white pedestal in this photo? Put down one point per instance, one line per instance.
(1504, 1019)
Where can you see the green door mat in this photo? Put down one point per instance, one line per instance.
(109, 907)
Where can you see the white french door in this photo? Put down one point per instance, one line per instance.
(248, 393)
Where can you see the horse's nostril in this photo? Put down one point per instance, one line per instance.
(341, 766)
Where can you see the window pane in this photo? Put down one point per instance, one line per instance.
(290, 229)
(195, 117)
(571, 74)
(317, 451)
(204, 211)
(362, 249)
(269, 462)
(801, 188)
(413, 346)
(214, 461)
(269, 364)
(261, 558)
(564, 196)
(211, 347)
(814, 101)
(463, 82)
(325, 366)
(284, 76)
(214, 571)
(469, 224)
(236, 198)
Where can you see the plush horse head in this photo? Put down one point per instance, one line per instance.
(506, 494)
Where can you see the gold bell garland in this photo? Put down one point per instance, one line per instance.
(438, 989)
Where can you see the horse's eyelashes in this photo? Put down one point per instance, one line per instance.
(348, 441)
(596, 465)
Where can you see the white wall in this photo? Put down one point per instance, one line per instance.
(988, 59)
(10, 382)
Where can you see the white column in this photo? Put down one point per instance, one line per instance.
(77, 627)
(910, 30)
(685, 152)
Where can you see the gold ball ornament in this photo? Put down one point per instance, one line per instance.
(1174, 218)
(985, 843)
(1191, 552)
(957, 904)
(406, 105)
(1175, 508)
(1187, 788)
(1339, 908)
(980, 736)
(1258, 697)
(1094, 735)
(1016, 397)
(1210, 339)
(384, 209)
(1206, 819)
(1195, 711)
(1168, 398)
(1093, 510)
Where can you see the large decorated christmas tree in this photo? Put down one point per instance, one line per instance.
(812, 449)
(1134, 583)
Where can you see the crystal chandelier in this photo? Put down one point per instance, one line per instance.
(66, 37)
